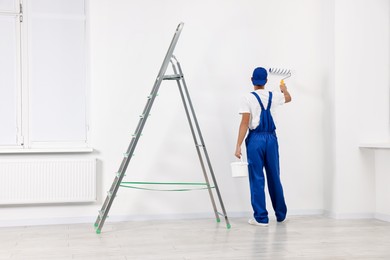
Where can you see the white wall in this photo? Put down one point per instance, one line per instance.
(382, 180)
(361, 112)
(222, 41)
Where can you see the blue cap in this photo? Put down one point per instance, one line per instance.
(259, 77)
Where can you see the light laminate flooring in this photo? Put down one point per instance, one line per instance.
(309, 237)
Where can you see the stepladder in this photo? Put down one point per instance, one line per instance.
(210, 182)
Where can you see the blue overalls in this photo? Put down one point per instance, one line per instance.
(262, 152)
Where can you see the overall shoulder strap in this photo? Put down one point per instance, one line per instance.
(258, 99)
(269, 100)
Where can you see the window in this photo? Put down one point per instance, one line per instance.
(9, 73)
(43, 74)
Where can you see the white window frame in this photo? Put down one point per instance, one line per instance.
(17, 13)
(24, 143)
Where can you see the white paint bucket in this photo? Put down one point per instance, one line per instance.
(239, 169)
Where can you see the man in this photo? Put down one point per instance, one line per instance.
(257, 110)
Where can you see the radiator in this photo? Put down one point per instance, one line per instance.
(47, 181)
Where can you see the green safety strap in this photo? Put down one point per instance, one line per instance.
(130, 185)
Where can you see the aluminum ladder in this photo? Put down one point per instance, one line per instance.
(195, 130)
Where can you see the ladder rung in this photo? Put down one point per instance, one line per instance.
(150, 96)
(110, 194)
(143, 116)
(118, 174)
(172, 77)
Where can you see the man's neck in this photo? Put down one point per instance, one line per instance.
(258, 87)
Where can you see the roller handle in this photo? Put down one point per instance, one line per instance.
(282, 84)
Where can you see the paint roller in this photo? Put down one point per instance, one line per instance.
(286, 73)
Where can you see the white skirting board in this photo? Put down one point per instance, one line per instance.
(140, 218)
(360, 215)
(383, 217)
(116, 218)
(47, 181)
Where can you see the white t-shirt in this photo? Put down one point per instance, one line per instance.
(249, 104)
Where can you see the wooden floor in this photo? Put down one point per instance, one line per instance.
(298, 238)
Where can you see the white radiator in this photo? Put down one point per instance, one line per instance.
(47, 181)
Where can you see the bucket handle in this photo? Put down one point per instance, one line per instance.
(241, 160)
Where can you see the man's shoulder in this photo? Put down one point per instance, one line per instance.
(247, 96)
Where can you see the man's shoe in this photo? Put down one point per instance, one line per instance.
(254, 222)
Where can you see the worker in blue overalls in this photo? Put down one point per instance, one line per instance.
(257, 109)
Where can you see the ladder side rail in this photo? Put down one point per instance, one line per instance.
(152, 96)
(145, 111)
(204, 147)
(126, 160)
(117, 180)
(142, 122)
(155, 89)
(191, 124)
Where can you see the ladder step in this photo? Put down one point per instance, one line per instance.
(118, 174)
(109, 194)
(150, 96)
(172, 77)
(143, 116)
